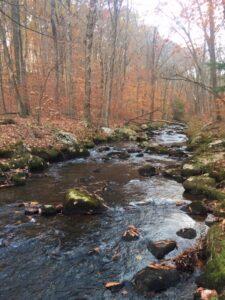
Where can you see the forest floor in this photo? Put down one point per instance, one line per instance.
(28, 131)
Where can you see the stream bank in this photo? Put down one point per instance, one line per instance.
(73, 257)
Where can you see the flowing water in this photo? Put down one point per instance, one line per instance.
(52, 258)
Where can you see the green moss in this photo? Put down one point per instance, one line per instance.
(19, 179)
(36, 163)
(80, 201)
(125, 133)
(20, 162)
(214, 272)
(4, 166)
(203, 185)
(6, 152)
(48, 154)
(99, 139)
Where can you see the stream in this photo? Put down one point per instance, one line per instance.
(53, 258)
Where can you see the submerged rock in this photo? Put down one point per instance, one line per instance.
(156, 280)
(187, 233)
(82, 202)
(147, 170)
(160, 248)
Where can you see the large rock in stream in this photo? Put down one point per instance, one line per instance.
(147, 170)
(160, 248)
(82, 202)
(152, 280)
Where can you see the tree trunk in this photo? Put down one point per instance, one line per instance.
(18, 58)
(91, 20)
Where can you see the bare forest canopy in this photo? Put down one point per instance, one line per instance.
(96, 61)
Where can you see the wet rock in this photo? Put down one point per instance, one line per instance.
(118, 154)
(174, 173)
(160, 248)
(131, 234)
(147, 170)
(48, 210)
(140, 155)
(155, 280)
(82, 202)
(32, 208)
(197, 208)
(103, 149)
(187, 233)
(59, 208)
(211, 220)
(133, 150)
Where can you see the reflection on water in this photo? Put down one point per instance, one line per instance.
(49, 258)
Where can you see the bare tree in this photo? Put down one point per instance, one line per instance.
(91, 20)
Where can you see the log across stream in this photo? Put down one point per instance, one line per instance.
(72, 257)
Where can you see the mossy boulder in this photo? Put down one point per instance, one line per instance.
(203, 185)
(19, 179)
(125, 133)
(156, 148)
(82, 202)
(153, 280)
(19, 162)
(6, 152)
(100, 139)
(48, 154)
(74, 152)
(3, 177)
(191, 169)
(4, 166)
(213, 276)
(36, 163)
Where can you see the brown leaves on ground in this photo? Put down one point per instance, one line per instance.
(27, 131)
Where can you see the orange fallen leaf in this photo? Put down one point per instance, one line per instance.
(112, 284)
